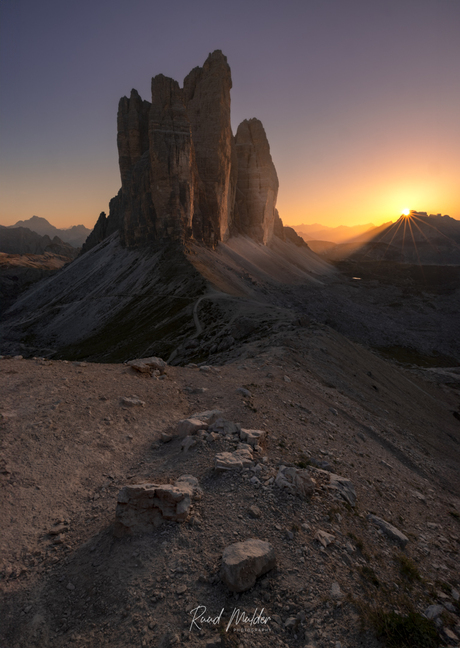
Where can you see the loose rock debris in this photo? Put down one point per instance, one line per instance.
(63, 467)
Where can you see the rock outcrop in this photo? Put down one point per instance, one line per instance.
(257, 186)
(184, 176)
(244, 562)
(143, 507)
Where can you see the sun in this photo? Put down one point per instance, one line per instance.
(406, 212)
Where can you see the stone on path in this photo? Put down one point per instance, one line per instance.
(244, 562)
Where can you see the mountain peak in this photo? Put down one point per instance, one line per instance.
(184, 176)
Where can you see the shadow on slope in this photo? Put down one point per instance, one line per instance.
(113, 303)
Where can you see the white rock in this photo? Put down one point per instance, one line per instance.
(336, 592)
(244, 562)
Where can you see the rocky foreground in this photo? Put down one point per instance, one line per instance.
(299, 496)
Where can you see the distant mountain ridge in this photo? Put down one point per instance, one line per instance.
(416, 238)
(318, 232)
(22, 240)
(75, 235)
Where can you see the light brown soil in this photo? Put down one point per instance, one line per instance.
(68, 446)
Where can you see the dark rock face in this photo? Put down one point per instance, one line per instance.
(291, 235)
(184, 176)
(257, 186)
(207, 97)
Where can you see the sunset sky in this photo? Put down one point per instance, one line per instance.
(360, 99)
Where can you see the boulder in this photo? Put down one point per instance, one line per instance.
(252, 437)
(244, 562)
(187, 427)
(389, 530)
(143, 507)
(295, 481)
(344, 487)
(148, 365)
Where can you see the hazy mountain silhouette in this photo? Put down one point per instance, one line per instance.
(340, 234)
(75, 235)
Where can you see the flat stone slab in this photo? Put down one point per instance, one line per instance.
(244, 562)
(132, 401)
(389, 530)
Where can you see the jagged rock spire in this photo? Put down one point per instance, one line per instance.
(184, 176)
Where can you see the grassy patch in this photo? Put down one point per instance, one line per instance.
(407, 568)
(369, 574)
(404, 631)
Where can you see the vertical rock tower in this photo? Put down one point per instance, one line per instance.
(184, 176)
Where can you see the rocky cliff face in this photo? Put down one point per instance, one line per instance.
(257, 185)
(184, 176)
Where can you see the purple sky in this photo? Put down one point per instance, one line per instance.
(360, 99)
